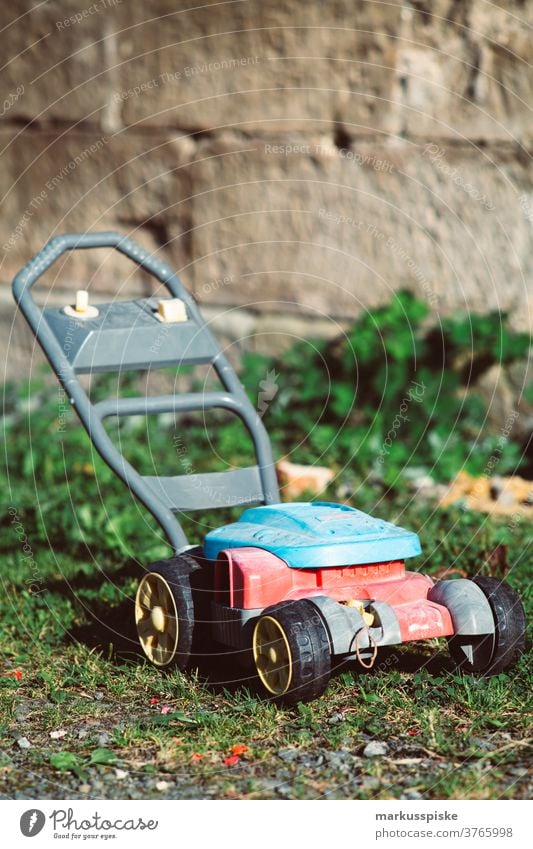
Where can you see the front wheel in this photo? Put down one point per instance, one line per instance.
(494, 653)
(291, 652)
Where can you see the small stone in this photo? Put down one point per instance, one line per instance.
(370, 784)
(82, 733)
(295, 480)
(375, 749)
(120, 774)
(103, 738)
(283, 790)
(288, 755)
(412, 794)
(269, 784)
(344, 491)
(162, 785)
(98, 695)
(519, 771)
(424, 482)
(336, 717)
(84, 788)
(339, 760)
(309, 760)
(23, 743)
(480, 744)
(57, 735)
(506, 498)
(23, 710)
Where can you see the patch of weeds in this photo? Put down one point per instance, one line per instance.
(338, 402)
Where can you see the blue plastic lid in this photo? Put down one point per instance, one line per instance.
(311, 535)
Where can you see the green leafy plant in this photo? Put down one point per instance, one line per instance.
(393, 394)
(72, 762)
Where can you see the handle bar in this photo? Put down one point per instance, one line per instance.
(56, 247)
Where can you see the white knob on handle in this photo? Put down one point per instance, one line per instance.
(81, 309)
(82, 300)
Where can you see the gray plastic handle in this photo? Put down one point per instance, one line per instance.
(91, 416)
(56, 247)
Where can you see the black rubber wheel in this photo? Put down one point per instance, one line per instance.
(494, 654)
(164, 612)
(291, 652)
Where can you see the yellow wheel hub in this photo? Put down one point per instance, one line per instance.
(272, 655)
(156, 618)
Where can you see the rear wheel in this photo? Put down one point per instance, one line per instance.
(164, 612)
(494, 653)
(291, 652)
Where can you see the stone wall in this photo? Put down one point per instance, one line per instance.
(295, 161)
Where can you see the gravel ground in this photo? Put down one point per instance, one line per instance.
(359, 767)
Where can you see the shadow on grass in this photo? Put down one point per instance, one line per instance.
(109, 626)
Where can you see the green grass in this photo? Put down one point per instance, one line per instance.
(449, 736)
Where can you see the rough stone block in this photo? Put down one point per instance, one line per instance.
(63, 64)
(84, 181)
(464, 71)
(258, 66)
(303, 226)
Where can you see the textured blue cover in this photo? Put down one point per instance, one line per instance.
(311, 535)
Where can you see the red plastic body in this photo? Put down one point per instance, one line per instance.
(251, 579)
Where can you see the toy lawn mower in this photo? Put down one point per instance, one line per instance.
(292, 586)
